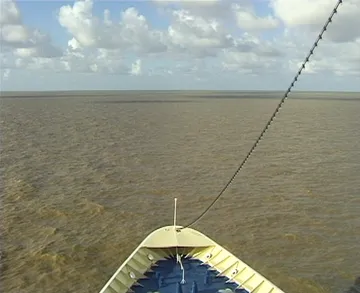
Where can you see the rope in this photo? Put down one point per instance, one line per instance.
(302, 67)
(178, 256)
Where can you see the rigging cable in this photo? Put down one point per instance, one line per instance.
(302, 67)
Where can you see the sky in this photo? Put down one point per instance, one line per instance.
(177, 45)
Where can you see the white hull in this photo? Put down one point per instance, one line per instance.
(187, 243)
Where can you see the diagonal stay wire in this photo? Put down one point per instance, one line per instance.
(302, 67)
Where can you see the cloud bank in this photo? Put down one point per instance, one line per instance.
(200, 39)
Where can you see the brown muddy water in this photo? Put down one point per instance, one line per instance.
(85, 179)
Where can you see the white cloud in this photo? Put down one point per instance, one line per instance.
(248, 20)
(198, 39)
(25, 52)
(196, 35)
(100, 46)
(338, 52)
(99, 61)
(188, 33)
(102, 61)
(313, 14)
(94, 67)
(250, 63)
(339, 59)
(302, 12)
(331, 57)
(9, 13)
(136, 68)
(79, 22)
(199, 2)
(73, 44)
(203, 8)
(107, 18)
(132, 33)
(14, 35)
(5, 74)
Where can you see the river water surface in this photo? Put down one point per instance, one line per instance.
(87, 178)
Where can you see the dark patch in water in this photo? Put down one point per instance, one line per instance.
(141, 101)
(355, 288)
(259, 97)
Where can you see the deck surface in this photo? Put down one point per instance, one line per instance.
(166, 276)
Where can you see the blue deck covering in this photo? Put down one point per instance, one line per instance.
(167, 275)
